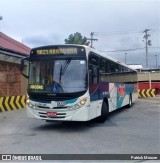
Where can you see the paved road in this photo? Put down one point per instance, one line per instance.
(129, 131)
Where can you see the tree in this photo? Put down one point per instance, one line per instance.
(76, 38)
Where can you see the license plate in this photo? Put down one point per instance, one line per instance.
(51, 114)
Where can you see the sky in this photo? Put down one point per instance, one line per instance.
(117, 24)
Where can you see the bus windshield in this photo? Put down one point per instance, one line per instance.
(58, 76)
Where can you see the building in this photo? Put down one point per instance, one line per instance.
(136, 67)
(12, 83)
(147, 78)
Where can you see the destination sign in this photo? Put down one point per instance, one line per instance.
(36, 87)
(57, 51)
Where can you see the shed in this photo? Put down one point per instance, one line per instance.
(12, 83)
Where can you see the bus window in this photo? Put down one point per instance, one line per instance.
(102, 65)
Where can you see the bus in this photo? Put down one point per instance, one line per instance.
(76, 83)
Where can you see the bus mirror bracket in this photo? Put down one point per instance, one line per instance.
(22, 65)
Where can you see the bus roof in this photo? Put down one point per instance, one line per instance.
(89, 49)
(108, 57)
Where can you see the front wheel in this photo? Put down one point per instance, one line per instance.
(104, 112)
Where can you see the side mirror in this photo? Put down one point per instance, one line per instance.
(22, 67)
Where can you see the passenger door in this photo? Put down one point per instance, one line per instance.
(93, 84)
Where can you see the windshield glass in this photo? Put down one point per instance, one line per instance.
(58, 76)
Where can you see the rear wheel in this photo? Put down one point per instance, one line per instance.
(104, 112)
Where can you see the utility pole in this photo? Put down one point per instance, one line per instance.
(156, 60)
(1, 18)
(125, 58)
(92, 39)
(147, 42)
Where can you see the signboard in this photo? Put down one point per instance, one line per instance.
(58, 50)
(36, 87)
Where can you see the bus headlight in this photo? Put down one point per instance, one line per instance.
(83, 101)
(27, 100)
(31, 105)
(78, 105)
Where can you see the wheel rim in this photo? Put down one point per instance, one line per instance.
(130, 101)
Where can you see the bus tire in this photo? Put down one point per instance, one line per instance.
(130, 101)
(104, 112)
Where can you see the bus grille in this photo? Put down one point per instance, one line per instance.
(46, 107)
(46, 98)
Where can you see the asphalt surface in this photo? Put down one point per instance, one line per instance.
(127, 131)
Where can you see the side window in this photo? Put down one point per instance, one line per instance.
(113, 67)
(102, 65)
(93, 60)
(107, 66)
(117, 68)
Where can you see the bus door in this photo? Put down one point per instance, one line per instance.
(93, 84)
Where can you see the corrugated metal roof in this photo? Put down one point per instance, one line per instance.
(8, 43)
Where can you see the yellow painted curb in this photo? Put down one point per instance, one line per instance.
(10, 103)
(146, 93)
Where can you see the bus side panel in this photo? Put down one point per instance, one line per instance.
(103, 92)
(120, 93)
(113, 97)
(123, 92)
(93, 101)
(99, 91)
(135, 92)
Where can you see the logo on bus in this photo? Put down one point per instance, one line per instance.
(61, 103)
(122, 90)
(54, 88)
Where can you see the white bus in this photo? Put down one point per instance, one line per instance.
(76, 83)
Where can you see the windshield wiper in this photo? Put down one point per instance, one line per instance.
(64, 68)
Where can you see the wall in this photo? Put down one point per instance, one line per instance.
(146, 76)
(12, 83)
(149, 80)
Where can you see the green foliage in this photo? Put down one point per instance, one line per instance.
(76, 38)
